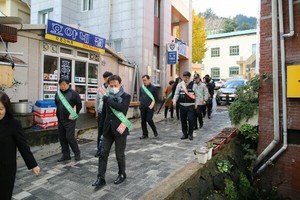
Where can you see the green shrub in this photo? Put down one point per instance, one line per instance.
(246, 104)
(223, 166)
(249, 132)
(230, 190)
(245, 188)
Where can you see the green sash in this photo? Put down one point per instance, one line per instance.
(121, 116)
(200, 94)
(67, 105)
(148, 93)
(169, 95)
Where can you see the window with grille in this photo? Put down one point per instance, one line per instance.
(234, 71)
(215, 73)
(234, 50)
(215, 52)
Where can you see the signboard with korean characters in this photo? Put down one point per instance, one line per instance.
(172, 53)
(71, 36)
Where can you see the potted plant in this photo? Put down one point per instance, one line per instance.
(209, 146)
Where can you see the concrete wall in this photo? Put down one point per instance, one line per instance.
(285, 172)
(16, 8)
(225, 60)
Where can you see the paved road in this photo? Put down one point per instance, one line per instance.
(148, 163)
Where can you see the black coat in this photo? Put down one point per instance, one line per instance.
(74, 100)
(111, 121)
(11, 138)
(145, 100)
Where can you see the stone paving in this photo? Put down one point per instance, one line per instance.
(148, 162)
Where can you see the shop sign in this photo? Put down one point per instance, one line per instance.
(181, 47)
(71, 36)
(172, 54)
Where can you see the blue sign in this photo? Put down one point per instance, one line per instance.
(68, 35)
(172, 57)
(181, 47)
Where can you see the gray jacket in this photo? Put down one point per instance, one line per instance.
(201, 93)
(99, 100)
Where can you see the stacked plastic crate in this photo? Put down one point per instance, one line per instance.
(45, 113)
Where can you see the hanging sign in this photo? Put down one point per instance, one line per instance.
(68, 35)
(172, 54)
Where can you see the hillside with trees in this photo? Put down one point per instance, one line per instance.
(214, 24)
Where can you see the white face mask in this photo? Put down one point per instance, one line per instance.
(114, 90)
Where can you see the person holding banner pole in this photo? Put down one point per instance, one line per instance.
(115, 130)
(148, 94)
(168, 99)
(68, 105)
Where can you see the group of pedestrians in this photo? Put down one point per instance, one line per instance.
(189, 98)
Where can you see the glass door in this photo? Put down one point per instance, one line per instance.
(80, 79)
(50, 77)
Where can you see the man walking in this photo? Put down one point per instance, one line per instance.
(68, 105)
(185, 95)
(168, 99)
(148, 94)
(98, 108)
(115, 130)
(202, 95)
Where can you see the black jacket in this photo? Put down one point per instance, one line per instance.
(11, 138)
(145, 100)
(73, 98)
(111, 121)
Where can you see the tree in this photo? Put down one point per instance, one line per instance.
(199, 38)
(230, 25)
(209, 13)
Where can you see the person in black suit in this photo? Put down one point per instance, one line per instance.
(11, 137)
(113, 131)
(147, 106)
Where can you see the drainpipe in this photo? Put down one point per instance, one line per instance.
(283, 73)
(275, 86)
(109, 21)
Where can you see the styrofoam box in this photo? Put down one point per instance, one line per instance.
(46, 124)
(45, 103)
(44, 112)
(42, 120)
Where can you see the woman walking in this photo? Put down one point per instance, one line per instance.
(11, 137)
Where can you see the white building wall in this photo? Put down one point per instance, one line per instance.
(225, 61)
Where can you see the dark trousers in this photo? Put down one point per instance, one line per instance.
(198, 116)
(147, 117)
(100, 129)
(187, 116)
(167, 108)
(66, 131)
(177, 111)
(120, 145)
(209, 109)
(7, 180)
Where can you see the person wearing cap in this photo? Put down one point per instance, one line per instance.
(202, 95)
(98, 108)
(210, 84)
(185, 95)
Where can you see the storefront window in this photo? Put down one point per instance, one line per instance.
(93, 74)
(81, 91)
(80, 72)
(50, 68)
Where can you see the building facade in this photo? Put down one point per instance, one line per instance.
(230, 55)
(138, 29)
(16, 8)
(279, 98)
(44, 62)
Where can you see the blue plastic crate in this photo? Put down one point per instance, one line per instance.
(45, 103)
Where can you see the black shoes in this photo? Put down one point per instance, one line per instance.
(100, 183)
(190, 137)
(97, 154)
(77, 157)
(63, 159)
(201, 125)
(144, 137)
(208, 116)
(120, 179)
(184, 137)
(155, 134)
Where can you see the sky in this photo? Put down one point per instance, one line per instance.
(228, 8)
